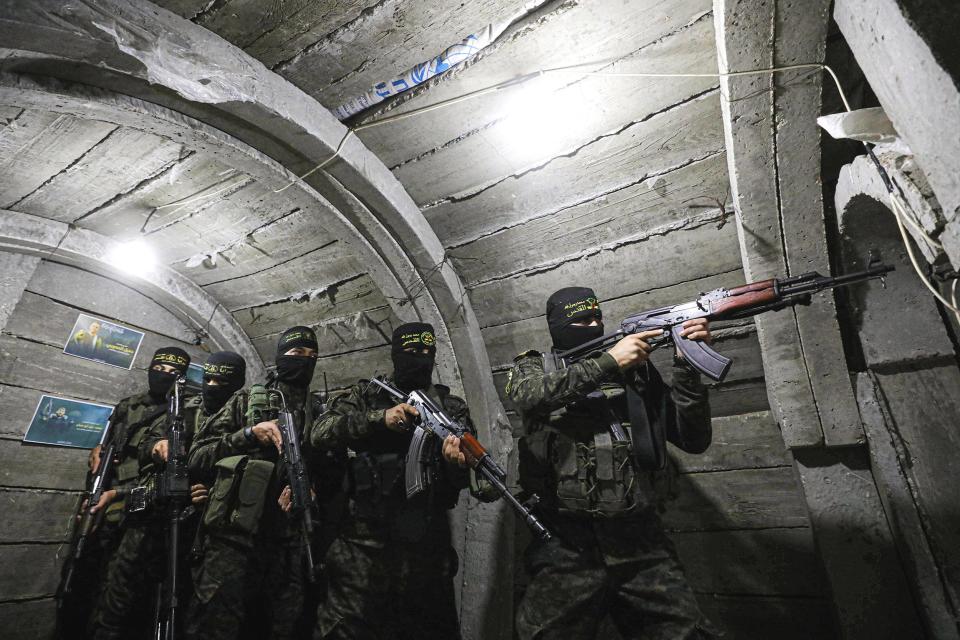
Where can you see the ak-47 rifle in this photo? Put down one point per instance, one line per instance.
(431, 428)
(89, 520)
(720, 304)
(301, 498)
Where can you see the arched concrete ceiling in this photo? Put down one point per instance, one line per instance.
(118, 116)
(589, 199)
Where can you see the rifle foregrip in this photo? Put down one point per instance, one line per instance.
(752, 286)
(472, 446)
(745, 300)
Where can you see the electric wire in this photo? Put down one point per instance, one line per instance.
(568, 69)
(898, 209)
(899, 213)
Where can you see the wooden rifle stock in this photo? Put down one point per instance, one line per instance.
(745, 297)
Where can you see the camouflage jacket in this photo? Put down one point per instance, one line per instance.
(131, 418)
(221, 436)
(193, 417)
(218, 436)
(354, 420)
(567, 454)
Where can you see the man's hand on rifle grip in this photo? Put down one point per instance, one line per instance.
(160, 451)
(198, 493)
(696, 329)
(268, 433)
(400, 417)
(633, 349)
(106, 498)
(452, 452)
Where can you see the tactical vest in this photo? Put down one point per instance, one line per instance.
(588, 459)
(375, 483)
(238, 495)
(133, 416)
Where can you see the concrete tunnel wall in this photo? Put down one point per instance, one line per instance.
(471, 246)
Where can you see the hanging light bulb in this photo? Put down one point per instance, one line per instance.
(133, 257)
(539, 124)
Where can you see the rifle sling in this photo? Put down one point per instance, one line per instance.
(647, 426)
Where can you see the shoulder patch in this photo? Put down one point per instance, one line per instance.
(527, 354)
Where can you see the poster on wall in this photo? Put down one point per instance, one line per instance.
(102, 341)
(195, 376)
(68, 423)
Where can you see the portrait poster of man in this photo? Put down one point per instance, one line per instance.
(67, 423)
(102, 341)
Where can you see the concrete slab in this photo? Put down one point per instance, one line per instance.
(550, 117)
(599, 167)
(691, 254)
(38, 145)
(644, 209)
(16, 269)
(856, 547)
(345, 63)
(567, 33)
(915, 89)
(116, 164)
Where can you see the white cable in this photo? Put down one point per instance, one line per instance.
(518, 80)
(899, 213)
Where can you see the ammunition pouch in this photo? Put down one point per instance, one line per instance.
(374, 477)
(129, 469)
(582, 471)
(237, 498)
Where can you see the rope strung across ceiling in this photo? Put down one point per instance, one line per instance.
(896, 203)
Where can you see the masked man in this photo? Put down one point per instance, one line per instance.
(116, 615)
(253, 571)
(390, 571)
(609, 555)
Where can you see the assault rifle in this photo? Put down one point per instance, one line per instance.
(301, 499)
(432, 427)
(720, 304)
(88, 520)
(169, 489)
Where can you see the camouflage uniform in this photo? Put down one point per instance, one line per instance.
(126, 606)
(609, 555)
(390, 571)
(251, 583)
(130, 417)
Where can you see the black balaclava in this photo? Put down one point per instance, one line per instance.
(230, 370)
(296, 370)
(160, 381)
(569, 305)
(413, 370)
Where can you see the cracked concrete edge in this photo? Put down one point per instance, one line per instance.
(860, 178)
(915, 90)
(59, 242)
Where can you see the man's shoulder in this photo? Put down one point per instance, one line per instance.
(142, 398)
(528, 355)
(451, 401)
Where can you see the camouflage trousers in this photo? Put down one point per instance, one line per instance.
(127, 604)
(243, 592)
(593, 574)
(385, 590)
